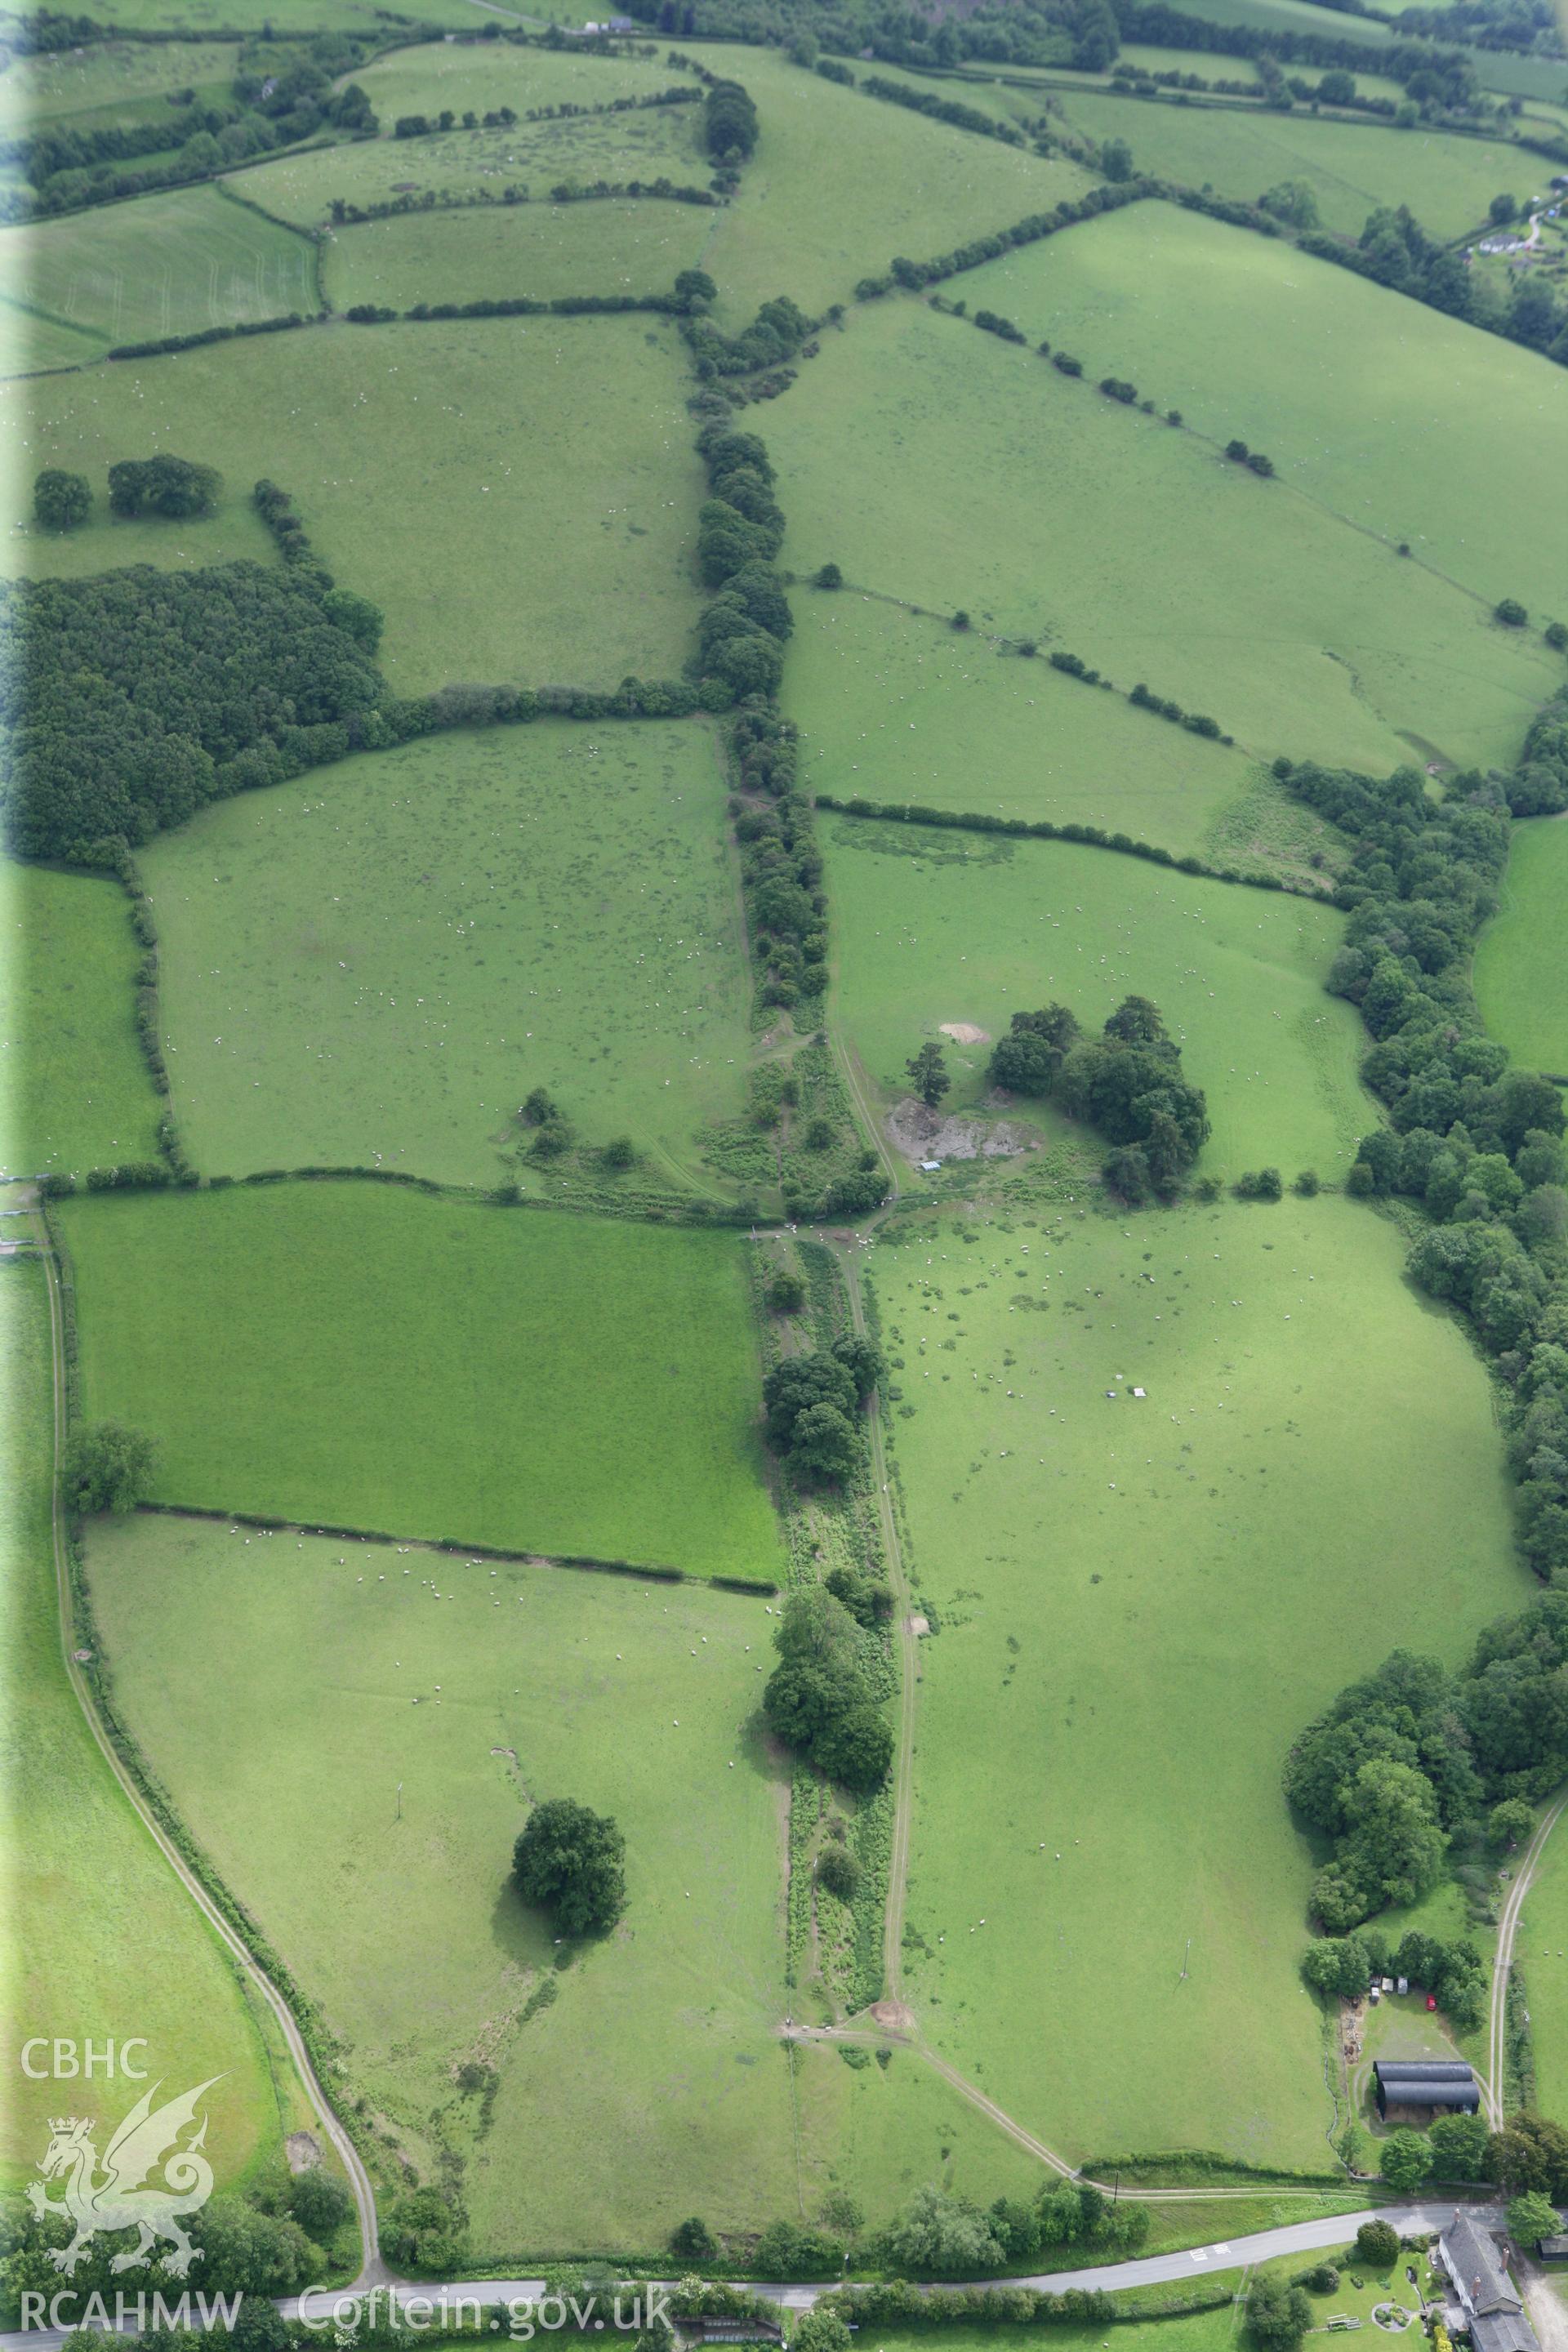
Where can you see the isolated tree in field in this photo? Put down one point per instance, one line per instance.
(827, 575)
(1404, 2159)
(928, 1071)
(1511, 613)
(539, 1107)
(106, 1467)
(785, 1292)
(1501, 210)
(61, 502)
(1509, 1823)
(1530, 2217)
(572, 1860)
(1278, 2313)
(1377, 2244)
(694, 286)
(1116, 160)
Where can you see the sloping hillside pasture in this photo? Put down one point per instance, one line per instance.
(840, 183)
(95, 1931)
(477, 75)
(110, 81)
(1139, 1603)
(950, 468)
(1519, 978)
(379, 969)
(537, 538)
(1351, 167)
(637, 247)
(164, 265)
(998, 736)
(657, 143)
(940, 465)
(1387, 412)
(75, 1092)
(653, 2086)
(30, 342)
(1299, 17)
(937, 927)
(365, 1355)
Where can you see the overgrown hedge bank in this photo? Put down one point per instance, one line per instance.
(1042, 829)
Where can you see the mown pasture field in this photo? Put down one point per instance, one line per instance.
(939, 465)
(536, 534)
(995, 735)
(840, 183)
(97, 1936)
(634, 246)
(1520, 980)
(370, 1356)
(1390, 414)
(162, 265)
(968, 928)
(376, 965)
(76, 1092)
(1351, 167)
(656, 2084)
(1140, 1602)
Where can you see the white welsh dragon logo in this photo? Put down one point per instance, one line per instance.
(143, 2144)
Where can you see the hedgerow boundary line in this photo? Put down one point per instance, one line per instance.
(450, 1548)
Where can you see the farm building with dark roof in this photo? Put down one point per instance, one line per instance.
(1440, 2082)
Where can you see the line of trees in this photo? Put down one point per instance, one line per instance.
(821, 1698)
(1128, 1082)
(914, 275)
(1397, 252)
(1478, 1144)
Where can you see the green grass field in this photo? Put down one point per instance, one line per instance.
(1349, 389)
(939, 465)
(110, 81)
(76, 1092)
(1542, 1964)
(96, 1935)
(164, 265)
(656, 2084)
(441, 470)
(641, 144)
(939, 927)
(542, 250)
(840, 183)
(382, 967)
(405, 1930)
(998, 736)
(1520, 980)
(372, 1357)
(1129, 1639)
(1351, 167)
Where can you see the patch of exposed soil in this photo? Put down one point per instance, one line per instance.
(922, 1134)
(893, 2017)
(303, 2151)
(964, 1033)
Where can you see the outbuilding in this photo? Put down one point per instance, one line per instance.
(1443, 2085)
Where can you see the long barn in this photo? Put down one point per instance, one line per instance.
(1443, 2084)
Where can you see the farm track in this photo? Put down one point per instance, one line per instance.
(373, 2270)
(1502, 1966)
